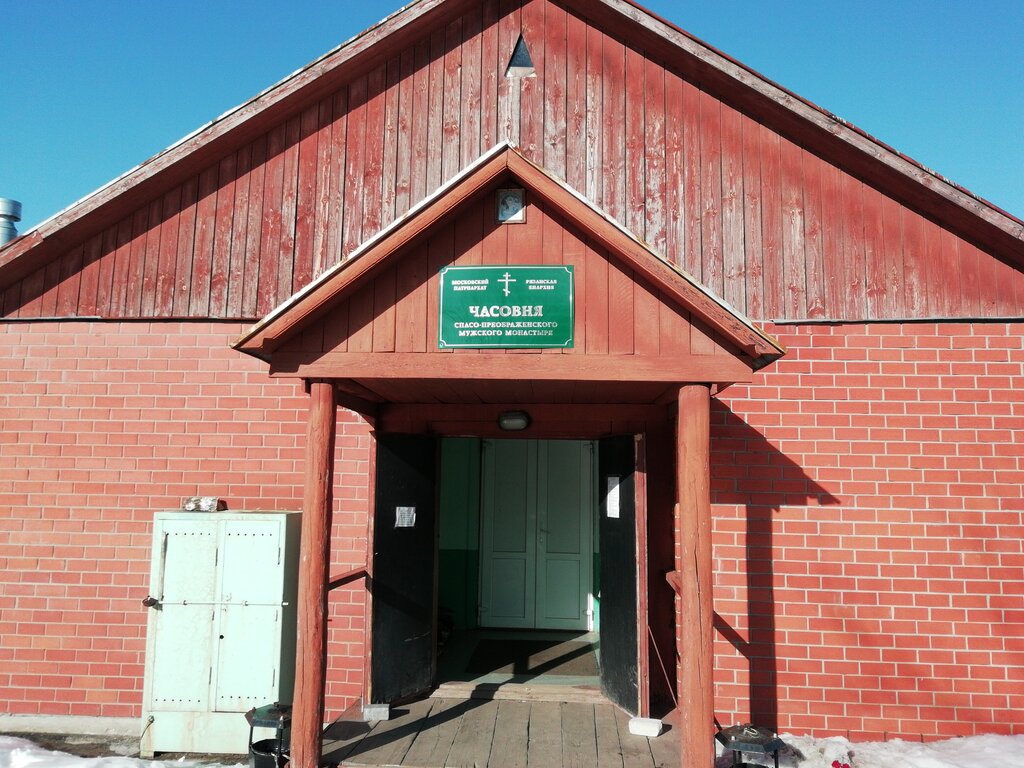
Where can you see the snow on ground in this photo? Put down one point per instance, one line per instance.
(801, 752)
(22, 753)
(971, 752)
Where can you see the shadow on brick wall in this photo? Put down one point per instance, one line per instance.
(750, 473)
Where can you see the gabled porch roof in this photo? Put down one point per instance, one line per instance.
(737, 348)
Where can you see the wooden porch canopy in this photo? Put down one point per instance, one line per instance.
(383, 299)
(364, 334)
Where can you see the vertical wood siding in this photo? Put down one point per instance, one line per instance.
(617, 311)
(773, 229)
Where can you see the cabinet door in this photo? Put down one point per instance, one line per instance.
(247, 652)
(181, 663)
(248, 656)
(184, 584)
(186, 563)
(251, 562)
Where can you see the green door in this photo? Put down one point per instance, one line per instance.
(537, 534)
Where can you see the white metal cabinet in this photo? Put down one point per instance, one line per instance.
(221, 634)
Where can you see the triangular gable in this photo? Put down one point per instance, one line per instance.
(817, 129)
(502, 163)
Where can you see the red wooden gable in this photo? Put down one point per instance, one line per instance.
(641, 325)
(775, 205)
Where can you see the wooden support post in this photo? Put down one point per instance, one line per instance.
(694, 635)
(314, 559)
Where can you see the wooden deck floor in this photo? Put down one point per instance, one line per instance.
(482, 733)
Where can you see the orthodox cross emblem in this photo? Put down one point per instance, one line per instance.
(507, 279)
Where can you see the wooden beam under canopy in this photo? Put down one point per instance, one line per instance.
(493, 365)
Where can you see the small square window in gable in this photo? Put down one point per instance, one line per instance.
(521, 64)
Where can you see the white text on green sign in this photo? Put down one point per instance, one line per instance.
(506, 307)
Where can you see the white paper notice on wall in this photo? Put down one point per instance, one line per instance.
(405, 517)
(612, 497)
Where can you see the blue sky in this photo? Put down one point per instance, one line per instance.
(92, 88)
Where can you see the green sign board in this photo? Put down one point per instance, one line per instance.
(506, 307)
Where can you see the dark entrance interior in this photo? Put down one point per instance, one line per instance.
(402, 589)
(518, 566)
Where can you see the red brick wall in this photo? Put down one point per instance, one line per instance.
(868, 530)
(102, 424)
(867, 490)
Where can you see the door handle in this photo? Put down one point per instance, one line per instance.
(150, 602)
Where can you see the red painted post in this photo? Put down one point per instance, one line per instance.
(694, 635)
(314, 559)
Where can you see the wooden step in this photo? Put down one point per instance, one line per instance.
(577, 694)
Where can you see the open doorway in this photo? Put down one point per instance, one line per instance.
(503, 562)
(518, 591)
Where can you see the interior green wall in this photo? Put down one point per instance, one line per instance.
(459, 547)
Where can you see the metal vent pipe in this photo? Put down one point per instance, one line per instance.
(10, 212)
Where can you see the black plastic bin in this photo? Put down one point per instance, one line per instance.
(269, 753)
